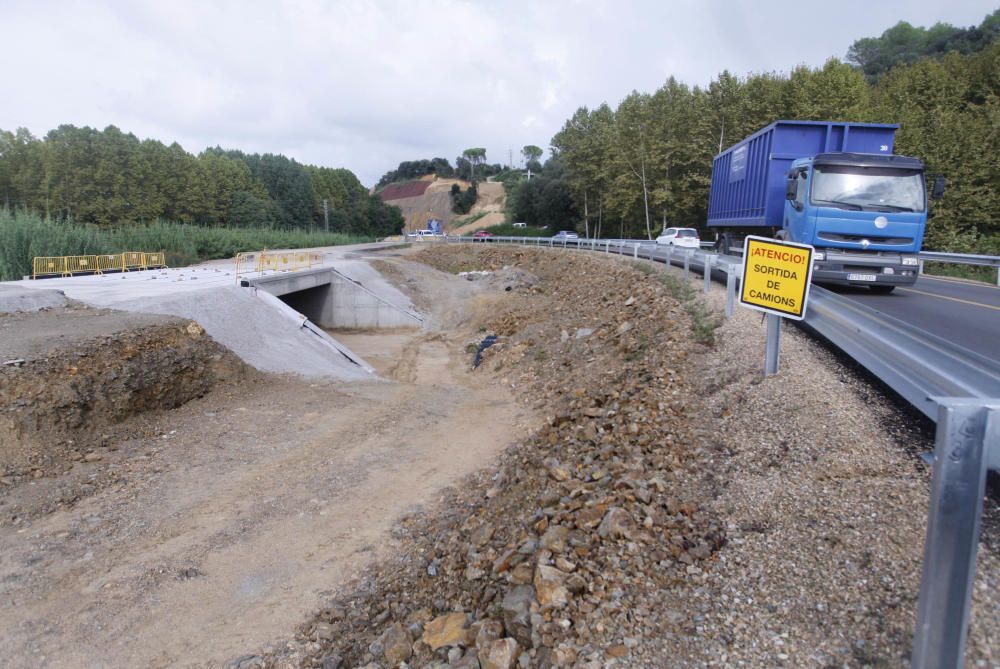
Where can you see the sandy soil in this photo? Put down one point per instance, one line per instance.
(233, 516)
(436, 203)
(490, 219)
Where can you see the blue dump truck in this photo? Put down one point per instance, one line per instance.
(834, 185)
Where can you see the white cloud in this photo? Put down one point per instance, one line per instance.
(368, 84)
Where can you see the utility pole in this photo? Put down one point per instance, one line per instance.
(326, 214)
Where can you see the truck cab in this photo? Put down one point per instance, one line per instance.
(834, 185)
(864, 213)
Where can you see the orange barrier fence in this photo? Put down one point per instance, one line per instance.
(95, 264)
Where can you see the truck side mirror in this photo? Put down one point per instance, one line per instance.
(937, 192)
(791, 189)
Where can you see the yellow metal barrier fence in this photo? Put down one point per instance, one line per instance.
(285, 261)
(48, 266)
(97, 264)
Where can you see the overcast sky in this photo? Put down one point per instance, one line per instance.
(365, 85)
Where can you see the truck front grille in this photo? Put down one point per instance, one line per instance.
(856, 239)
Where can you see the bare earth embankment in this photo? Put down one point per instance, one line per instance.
(602, 491)
(138, 533)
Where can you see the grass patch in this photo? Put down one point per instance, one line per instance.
(704, 321)
(471, 219)
(644, 267)
(25, 235)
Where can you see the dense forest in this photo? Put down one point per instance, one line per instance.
(111, 179)
(628, 171)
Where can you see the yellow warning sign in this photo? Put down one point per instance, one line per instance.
(776, 276)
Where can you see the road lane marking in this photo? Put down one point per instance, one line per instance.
(955, 279)
(953, 299)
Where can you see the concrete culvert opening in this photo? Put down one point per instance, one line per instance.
(311, 303)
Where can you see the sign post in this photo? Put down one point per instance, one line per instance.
(776, 277)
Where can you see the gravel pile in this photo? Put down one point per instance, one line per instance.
(674, 510)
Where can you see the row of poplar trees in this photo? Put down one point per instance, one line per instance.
(647, 163)
(111, 178)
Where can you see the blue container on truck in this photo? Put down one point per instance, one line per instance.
(834, 185)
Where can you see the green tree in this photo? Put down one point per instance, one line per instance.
(531, 155)
(474, 156)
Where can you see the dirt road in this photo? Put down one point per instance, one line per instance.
(232, 518)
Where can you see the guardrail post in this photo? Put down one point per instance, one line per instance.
(772, 349)
(966, 431)
(607, 246)
(635, 251)
(670, 256)
(730, 291)
(707, 267)
(687, 263)
(652, 251)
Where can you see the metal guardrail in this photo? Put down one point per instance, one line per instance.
(960, 259)
(95, 264)
(918, 365)
(957, 388)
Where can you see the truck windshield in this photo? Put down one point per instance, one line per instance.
(868, 188)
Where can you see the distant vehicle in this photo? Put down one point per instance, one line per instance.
(482, 233)
(520, 225)
(421, 234)
(565, 234)
(686, 237)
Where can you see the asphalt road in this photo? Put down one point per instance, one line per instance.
(964, 312)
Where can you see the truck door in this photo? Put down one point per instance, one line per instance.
(795, 224)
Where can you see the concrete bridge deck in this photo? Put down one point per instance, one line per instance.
(272, 320)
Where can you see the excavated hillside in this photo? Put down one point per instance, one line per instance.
(435, 202)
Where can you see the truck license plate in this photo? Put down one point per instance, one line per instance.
(860, 277)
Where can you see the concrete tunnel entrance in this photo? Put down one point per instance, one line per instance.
(332, 300)
(310, 302)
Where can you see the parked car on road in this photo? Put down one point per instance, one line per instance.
(686, 237)
(565, 234)
(482, 233)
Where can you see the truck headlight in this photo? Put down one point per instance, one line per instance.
(819, 255)
(911, 260)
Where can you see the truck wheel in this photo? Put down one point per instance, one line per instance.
(724, 243)
(882, 290)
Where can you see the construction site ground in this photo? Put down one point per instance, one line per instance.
(605, 489)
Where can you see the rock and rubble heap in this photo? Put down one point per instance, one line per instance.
(558, 555)
(674, 510)
(55, 402)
